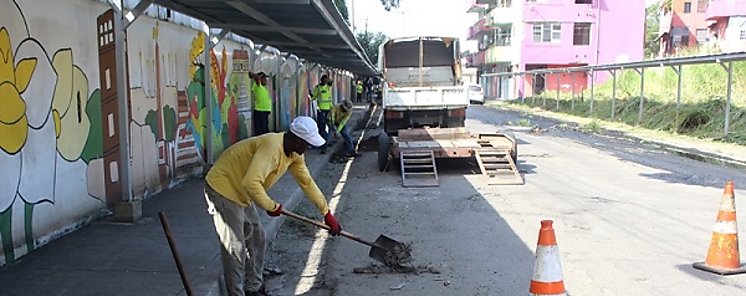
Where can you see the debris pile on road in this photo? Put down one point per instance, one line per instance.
(398, 255)
(381, 269)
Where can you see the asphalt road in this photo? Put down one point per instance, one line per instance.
(629, 218)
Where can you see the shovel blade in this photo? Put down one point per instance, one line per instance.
(389, 251)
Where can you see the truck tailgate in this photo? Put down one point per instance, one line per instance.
(414, 97)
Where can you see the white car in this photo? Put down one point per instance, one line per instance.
(475, 93)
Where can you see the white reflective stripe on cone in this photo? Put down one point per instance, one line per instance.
(726, 227)
(547, 268)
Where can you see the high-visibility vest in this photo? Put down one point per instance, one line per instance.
(322, 93)
(359, 87)
(262, 99)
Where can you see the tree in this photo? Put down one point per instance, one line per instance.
(652, 25)
(342, 7)
(370, 42)
(390, 4)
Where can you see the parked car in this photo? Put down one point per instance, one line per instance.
(476, 95)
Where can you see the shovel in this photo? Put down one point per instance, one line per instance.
(385, 249)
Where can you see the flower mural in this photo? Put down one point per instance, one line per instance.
(69, 106)
(227, 123)
(14, 78)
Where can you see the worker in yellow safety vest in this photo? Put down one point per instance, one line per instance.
(322, 94)
(359, 90)
(339, 118)
(262, 103)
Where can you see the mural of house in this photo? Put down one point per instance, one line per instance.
(530, 35)
(59, 128)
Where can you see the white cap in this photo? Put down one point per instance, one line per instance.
(306, 129)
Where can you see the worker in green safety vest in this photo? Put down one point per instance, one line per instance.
(262, 103)
(322, 94)
(359, 90)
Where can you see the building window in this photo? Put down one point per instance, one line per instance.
(702, 5)
(701, 36)
(583, 1)
(582, 34)
(687, 7)
(547, 32)
(504, 3)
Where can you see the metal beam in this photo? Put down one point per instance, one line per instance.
(726, 57)
(188, 10)
(215, 39)
(293, 44)
(255, 14)
(261, 28)
(330, 20)
(139, 9)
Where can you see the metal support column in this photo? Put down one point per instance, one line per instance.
(572, 99)
(613, 94)
(641, 71)
(128, 209)
(728, 96)
(533, 95)
(207, 80)
(593, 81)
(558, 90)
(677, 70)
(210, 42)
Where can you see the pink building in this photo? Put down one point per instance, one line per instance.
(683, 24)
(728, 26)
(518, 35)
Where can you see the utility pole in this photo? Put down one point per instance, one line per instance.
(352, 15)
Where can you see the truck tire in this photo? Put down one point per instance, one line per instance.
(384, 149)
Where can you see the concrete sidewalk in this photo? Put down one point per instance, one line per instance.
(106, 258)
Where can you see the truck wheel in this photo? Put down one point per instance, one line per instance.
(384, 147)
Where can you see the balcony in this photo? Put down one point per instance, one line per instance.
(501, 54)
(475, 7)
(476, 30)
(725, 8)
(475, 59)
(503, 15)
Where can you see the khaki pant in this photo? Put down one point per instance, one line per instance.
(242, 240)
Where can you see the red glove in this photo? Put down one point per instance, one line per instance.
(330, 221)
(276, 212)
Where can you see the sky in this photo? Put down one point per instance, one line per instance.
(418, 18)
(415, 18)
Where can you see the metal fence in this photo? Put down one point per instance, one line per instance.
(677, 64)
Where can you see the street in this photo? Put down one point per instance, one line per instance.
(629, 219)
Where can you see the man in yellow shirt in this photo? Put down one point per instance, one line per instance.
(322, 94)
(262, 103)
(339, 117)
(240, 179)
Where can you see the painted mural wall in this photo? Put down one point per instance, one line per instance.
(59, 142)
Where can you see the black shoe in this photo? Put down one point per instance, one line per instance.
(353, 154)
(261, 292)
(323, 151)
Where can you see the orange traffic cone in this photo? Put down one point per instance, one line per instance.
(722, 257)
(547, 279)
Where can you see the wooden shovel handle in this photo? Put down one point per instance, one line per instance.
(324, 226)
